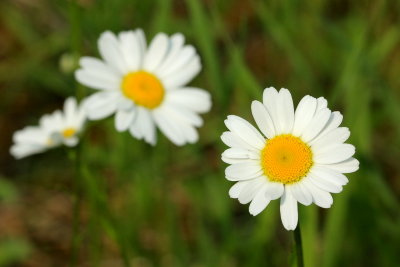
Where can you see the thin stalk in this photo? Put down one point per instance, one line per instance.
(77, 195)
(298, 246)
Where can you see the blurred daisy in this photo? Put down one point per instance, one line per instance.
(299, 156)
(145, 86)
(58, 128)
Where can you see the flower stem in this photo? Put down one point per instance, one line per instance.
(77, 196)
(298, 246)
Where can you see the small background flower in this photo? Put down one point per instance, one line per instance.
(145, 85)
(346, 51)
(58, 128)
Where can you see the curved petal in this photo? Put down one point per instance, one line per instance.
(263, 119)
(346, 166)
(194, 99)
(304, 113)
(243, 171)
(109, 48)
(288, 208)
(320, 197)
(245, 131)
(131, 51)
(250, 190)
(124, 119)
(335, 154)
(285, 111)
(100, 105)
(156, 53)
(259, 202)
(270, 100)
(184, 75)
(334, 137)
(316, 125)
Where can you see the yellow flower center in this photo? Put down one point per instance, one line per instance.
(143, 88)
(286, 159)
(69, 132)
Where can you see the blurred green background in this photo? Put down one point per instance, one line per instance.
(167, 205)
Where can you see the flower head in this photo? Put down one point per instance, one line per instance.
(58, 128)
(299, 156)
(145, 86)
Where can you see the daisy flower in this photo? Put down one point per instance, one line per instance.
(145, 87)
(299, 156)
(58, 128)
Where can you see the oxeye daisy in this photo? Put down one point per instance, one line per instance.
(58, 128)
(299, 156)
(145, 87)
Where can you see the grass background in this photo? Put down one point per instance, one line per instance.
(169, 206)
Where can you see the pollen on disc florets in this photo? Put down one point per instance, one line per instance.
(286, 159)
(143, 88)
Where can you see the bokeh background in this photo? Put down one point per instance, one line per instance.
(167, 205)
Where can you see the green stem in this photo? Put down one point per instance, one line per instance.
(298, 246)
(75, 240)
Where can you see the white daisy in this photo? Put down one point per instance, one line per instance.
(145, 86)
(60, 127)
(299, 157)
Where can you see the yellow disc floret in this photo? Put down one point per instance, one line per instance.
(68, 132)
(286, 159)
(143, 89)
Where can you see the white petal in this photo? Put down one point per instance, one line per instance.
(270, 100)
(124, 119)
(263, 119)
(96, 74)
(250, 190)
(100, 105)
(285, 111)
(142, 41)
(186, 55)
(320, 197)
(288, 208)
(195, 99)
(71, 142)
(300, 193)
(93, 79)
(156, 52)
(324, 184)
(304, 113)
(240, 153)
(147, 126)
(274, 190)
(233, 140)
(70, 106)
(131, 50)
(334, 137)
(316, 125)
(109, 48)
(259, 202)
(237, 188)
(331, 175)
(168, 127)
(184, 75)
(243, 171)
(335, 154)
(334, 121)
(245, 131)
(321, 103)
(175, 46)
(22, 151)
(346, 166)
(235, 160)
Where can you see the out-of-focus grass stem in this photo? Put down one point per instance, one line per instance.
(74, 156)
(298, 246)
